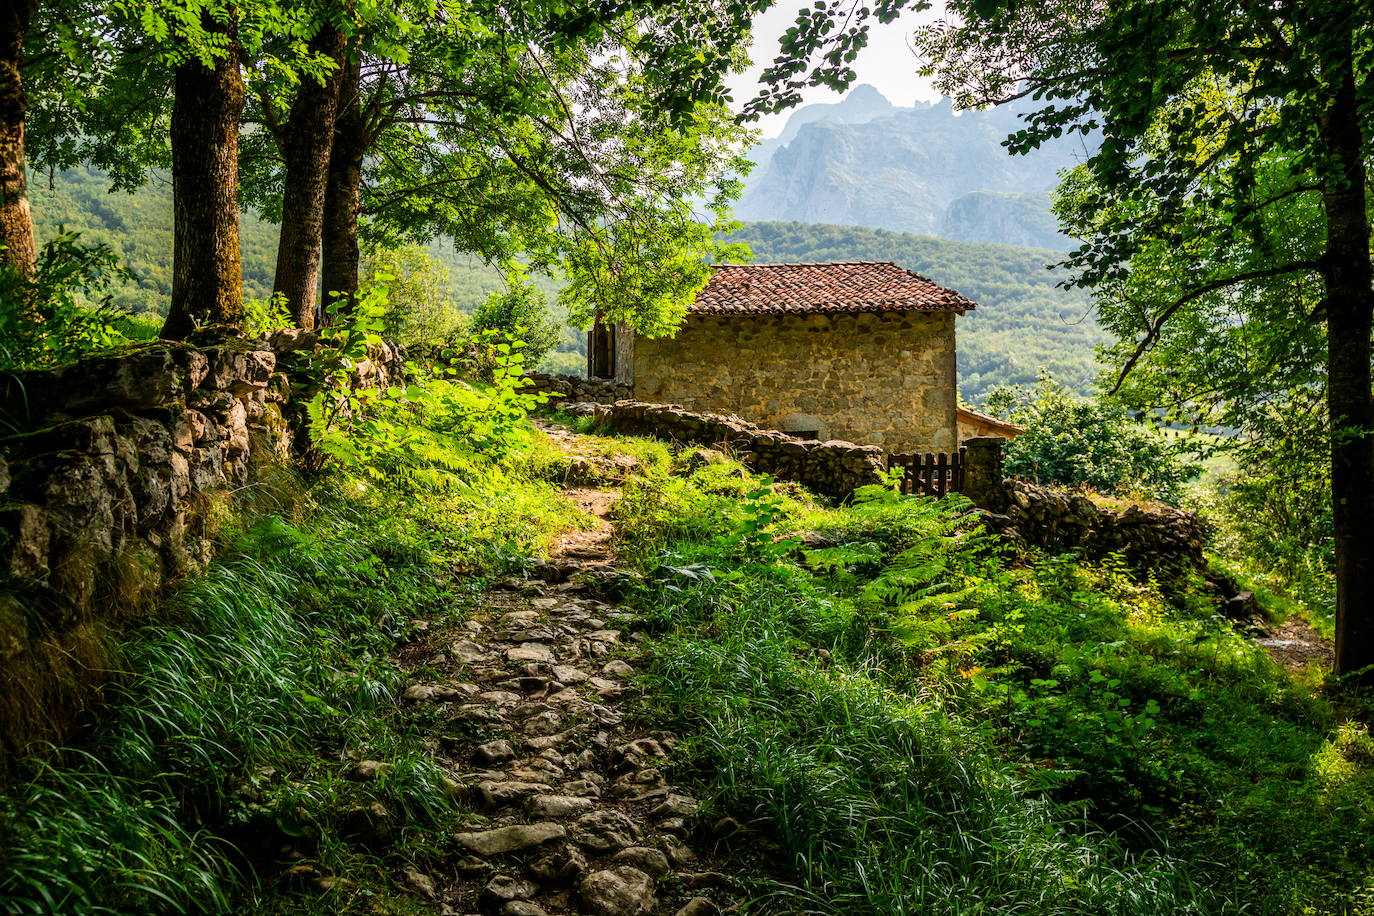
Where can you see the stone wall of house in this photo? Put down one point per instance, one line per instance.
(882, 379)
(111, 487)
(830, 468)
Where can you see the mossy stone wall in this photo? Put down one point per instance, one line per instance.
(116, 477)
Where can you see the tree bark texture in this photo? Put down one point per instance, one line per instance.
(307, 137)
(16, 220)
(207, 272)
(1350, 320)
(343, 196)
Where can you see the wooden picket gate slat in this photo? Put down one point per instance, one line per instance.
(930, 474)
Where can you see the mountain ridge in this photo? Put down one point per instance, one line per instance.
(924, 169)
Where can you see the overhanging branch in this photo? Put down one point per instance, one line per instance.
(1157, 326)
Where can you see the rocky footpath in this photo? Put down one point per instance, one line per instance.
(532, 704)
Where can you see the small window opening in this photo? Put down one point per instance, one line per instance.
(804, 426)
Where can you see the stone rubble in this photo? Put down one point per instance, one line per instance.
(573, 812)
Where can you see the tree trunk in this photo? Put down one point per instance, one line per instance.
(339, 268)
(207, 273)
(16, 220)
(1350, 319)
(306, 140)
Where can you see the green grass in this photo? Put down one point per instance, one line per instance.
(228, 738)
(216, 774)
(926, 723)
(914, 719)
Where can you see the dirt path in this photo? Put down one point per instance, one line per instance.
(1295, 645)
(533, 721)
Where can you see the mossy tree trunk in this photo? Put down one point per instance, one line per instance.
(307, 137)
(339, 268)
(16, 220)
(207, 273)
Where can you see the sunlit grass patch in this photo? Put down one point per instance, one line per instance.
(929, 722)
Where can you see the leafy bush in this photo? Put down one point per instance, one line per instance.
(421, 313)
(44, 317)
(1076, 441)
(1271, 514)
(436, 425)
(262, 316)
(520, 313)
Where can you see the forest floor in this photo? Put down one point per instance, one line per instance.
(541, 727)
(604, 677)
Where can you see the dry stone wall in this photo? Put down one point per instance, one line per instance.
(110, 487)
(830, 468)
(884, 379)
(1157, 539)
(572, 389)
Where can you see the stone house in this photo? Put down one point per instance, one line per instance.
(860, 350)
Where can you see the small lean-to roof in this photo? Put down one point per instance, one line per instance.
(842, 286)
(970, 415)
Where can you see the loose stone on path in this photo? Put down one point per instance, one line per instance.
(573, 812)
(511, 839)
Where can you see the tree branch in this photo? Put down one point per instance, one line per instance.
(1157, 326)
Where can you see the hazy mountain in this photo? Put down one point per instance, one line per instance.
(924, 169)
(1008, 217)
(864, 103)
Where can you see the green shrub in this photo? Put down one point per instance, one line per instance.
(59, 313)
(1073, 441)
(1271, 518)
(421, 313)
(520, 313)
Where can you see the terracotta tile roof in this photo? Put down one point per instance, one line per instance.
(844, 286)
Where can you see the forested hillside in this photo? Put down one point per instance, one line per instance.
(138, 228)
(1023, 324)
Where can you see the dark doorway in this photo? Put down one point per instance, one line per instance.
(602, 351)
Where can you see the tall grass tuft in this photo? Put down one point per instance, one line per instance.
(278, 651)
(886, 804)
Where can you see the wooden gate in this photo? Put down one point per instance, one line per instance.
(930, 474)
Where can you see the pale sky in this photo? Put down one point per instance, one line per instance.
(887, 63)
